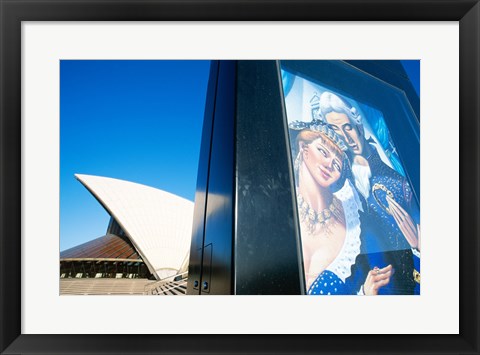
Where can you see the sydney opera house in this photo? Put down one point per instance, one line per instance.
(145, 249)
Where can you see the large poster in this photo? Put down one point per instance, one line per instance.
(359, 217)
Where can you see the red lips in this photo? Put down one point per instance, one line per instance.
(325, 174)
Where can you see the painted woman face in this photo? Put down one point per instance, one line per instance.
(323, 161)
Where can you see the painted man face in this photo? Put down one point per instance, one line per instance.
(341, 124)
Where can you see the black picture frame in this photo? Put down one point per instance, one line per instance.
(13, 12)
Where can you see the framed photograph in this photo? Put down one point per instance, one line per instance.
(318, 173)
(358, 160)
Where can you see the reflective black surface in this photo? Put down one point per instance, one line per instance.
(195, 266)
(248, 242)
(212, 241)
(267, 243)
(219, 217)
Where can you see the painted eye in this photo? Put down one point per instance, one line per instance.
(335, 128)
(337, 167)
(348, 127)
(324, 153)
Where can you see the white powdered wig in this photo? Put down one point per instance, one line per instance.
(329, 102)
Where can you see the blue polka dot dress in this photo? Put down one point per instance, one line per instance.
(327, 283)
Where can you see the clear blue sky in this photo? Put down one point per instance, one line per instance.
(139, 121)
(412, 68)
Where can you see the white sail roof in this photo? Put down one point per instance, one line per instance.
(158, 223)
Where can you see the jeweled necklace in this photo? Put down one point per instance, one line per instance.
(323, 219)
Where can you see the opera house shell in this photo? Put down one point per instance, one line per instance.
(146, 246)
